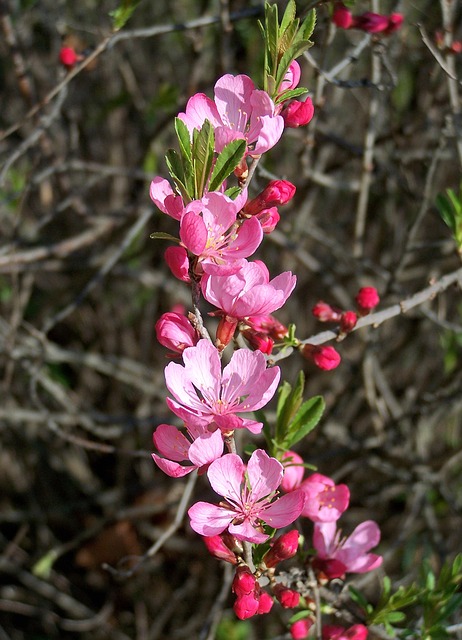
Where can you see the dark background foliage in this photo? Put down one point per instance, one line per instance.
(81, 286)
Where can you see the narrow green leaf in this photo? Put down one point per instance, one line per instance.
(288, 38)
(123, 13)
(272, 34)
(160, 235)
(283, 393)
(306, 418)
(456, 203)
(202, 157)
(233, 192)
(226, 162)
(308, 25)
(184, 139)
(446, 212)
(288, 17)
(175, 169)
(294, 51)
(290, 94)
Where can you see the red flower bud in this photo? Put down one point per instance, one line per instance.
(276, 192)
(367, 299)
(244, 581)
(334, 632)
(297, 114)
(219, 549)
(283, 548)
(299, 630)
(225, 331)
(342, 16)
(259, 341)
(395, 20)
(348, 321)
(178, 262)
(68, 57)
(265, 603)
(268, 219)
(246, 606)
(287, 597)
(371, 22)
(325, 313)
(325, 358)
(268, 325)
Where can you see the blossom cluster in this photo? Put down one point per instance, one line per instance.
(219, 228)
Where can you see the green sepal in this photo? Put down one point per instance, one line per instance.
(226, 162)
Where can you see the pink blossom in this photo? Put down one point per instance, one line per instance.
(291, 79)
(165, 198)
(293, 471)
(203, 448)
(299, 630)
(248, 498)
(334, 632)
(203, 394)
(174, 331)
(350, 555)
(325, 501)
(208, 229)
(239, 112)
(298, 114)
(178, 262)
(248, 292)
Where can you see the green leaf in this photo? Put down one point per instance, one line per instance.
(160, 235)
(292, 52)
(202, 157)
(288, 17)
(305, 420)
(271, 36)
(176, 171)
(309, 23)
(287, 408)
(123, 13)
(42, 568)
(226, 162)
(184, 139)
(289, 94)
(233, 192)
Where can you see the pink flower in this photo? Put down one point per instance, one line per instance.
(208, 229)
(174, 331)
(325, 501)
(277, 192)
(239, 112)
(203, 448)
(165, 198)
(248, 498)
(248, 292)
(298, 114)
(203, 394)
(350, 555)
(334, 632)
(299, 630)
(326, 358)
(291, 79)
(293, 471)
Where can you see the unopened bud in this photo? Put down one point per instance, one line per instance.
(277, 192)
(300, 629)
(265, 603)
(297, 114)
(287, 597)
(283, 548)
(268, 219)
(367, 299)
(246, 606)
(371, 22)
(325, 313)
(342, 17)
(326, 358)
(348, 322)
(244, 581)
(219, 549)
(259, 341)
(225, 331)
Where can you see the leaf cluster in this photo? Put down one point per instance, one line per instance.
(283, 43)
(450, 209)
(197, 168)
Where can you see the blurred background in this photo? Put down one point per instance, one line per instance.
(82, 285)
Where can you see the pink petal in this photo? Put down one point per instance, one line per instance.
(364, 537)
(232, 98)
(245, 531)
(178, 382)
(209, 519)
(293, 471)
(172, 469)
(159, 190)
(284, 510)
(198, 109)
(249, 237)
(204, 367)
(171, 443)
(264, 473)
(263, 389)
(178, 262)
(193, 233)
(226, 475)
(324, 537)
(206, 448)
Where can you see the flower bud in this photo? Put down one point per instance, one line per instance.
(325, 313)
(342, 16)
(326, 358)
(293, 471)
(287, 597)
(297, 114)
(371, 22)
(217, 547)
(246, 606)
(68, 57)
(265, 603)
(259, 341)
(178, 262)
(283, 548)
(175, 332)
(276, 192)
(244, 581)
(268, 325)
(299, 630)
(334, 632)
(348, 322)
(268, 219)
(367, 299)
(225, 331)
(395, 20)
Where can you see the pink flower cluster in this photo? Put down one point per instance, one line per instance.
(367, 21)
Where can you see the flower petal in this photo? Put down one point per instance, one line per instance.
(172, 469)
(284, 510)
(206, 448)
(264, 473)
(209, 519)
(171, 443)
(193, 233)
(226, 475)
